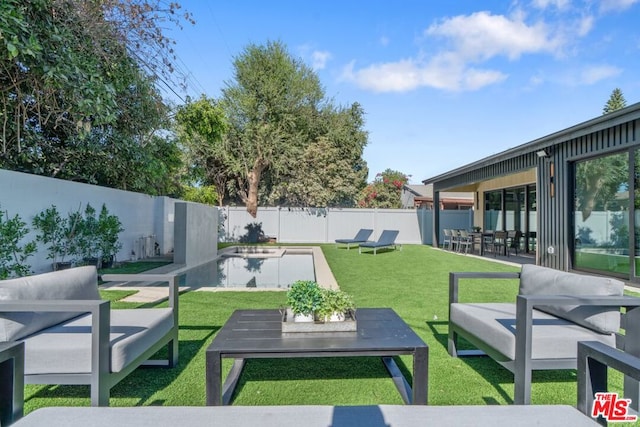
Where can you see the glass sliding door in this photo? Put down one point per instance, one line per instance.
(493, 215)
(601, 212)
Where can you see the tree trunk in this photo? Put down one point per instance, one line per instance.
(253, 182)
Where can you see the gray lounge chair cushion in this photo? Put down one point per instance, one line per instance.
(133, 331)
(536, 280)
(74, 284)
(496, 323)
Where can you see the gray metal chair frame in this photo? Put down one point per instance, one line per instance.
(101, 379)
(464, 240)
(446, 242)
(455, 239)
(593, 360)
(499, 243)
(524, 364)
(513, 240)
(11, 382)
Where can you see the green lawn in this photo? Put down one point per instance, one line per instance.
(414, 282)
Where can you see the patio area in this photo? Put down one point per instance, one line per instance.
(413, 282)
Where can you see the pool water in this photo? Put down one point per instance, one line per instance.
(252, 272)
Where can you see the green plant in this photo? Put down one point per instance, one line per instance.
(334, 301)
(50, 226)
(60, 234)
(88, 235)
(14, 254)
(304, 297)
(109, 227)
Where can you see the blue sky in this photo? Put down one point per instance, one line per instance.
(443, 83)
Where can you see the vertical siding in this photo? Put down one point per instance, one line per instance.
(555, 224)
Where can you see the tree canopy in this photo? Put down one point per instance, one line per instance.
(616, 102)
(285, 143)
(77, 90)
(385, 190)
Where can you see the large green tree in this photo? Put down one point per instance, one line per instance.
(269, 104)
(287, 144)
(201, 127)
(79, 76)
(330, 171)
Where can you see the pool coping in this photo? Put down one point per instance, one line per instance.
(146, 294)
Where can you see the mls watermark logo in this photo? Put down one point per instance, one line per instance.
(612, 408)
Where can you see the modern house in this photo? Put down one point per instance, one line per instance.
(574, 195)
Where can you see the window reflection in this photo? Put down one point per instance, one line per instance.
(602, 214)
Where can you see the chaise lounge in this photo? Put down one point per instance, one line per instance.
(72, 337)
(361, 236)
(386, 240)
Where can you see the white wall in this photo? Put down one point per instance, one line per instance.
(141, 215)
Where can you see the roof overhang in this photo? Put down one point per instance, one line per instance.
(548, 142)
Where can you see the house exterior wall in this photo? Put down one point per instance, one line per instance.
(515, 180)
(554, 181)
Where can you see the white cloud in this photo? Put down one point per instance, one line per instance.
(616, 5)
(320, 59)
(469, 41)
(384, 41)
(444, 72)
(543, 4)
(594, 74)
(483, 36)
(585, 25)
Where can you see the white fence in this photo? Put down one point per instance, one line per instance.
(324, 225)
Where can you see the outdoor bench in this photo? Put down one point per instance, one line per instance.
(554, 310)
(71, 336)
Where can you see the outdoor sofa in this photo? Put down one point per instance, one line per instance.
(554, 310)
(72, 337)
(594, 359)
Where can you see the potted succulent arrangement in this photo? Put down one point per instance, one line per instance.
(304, 297)
(335, 307)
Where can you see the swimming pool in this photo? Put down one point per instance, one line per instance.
(272, 269)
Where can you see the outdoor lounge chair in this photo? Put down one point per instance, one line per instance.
(360, 237)
(387, 239)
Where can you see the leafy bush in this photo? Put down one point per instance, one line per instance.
(14, 253)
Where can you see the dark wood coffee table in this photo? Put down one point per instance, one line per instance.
(258, 334)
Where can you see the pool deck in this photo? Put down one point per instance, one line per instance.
(150, 294)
